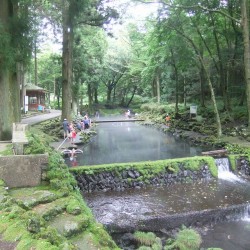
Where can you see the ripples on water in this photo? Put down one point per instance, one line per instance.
(132, 205)
(178, 198)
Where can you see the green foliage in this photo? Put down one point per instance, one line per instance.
(38, 143)
(7, 151)
(51, 235)
(155, 108)
(145, 238)
(232, 160)
(237, 149)
(74, 206)
(186, 239)
(2, 183)
(148, 239)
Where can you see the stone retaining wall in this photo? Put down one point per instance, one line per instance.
(131, 178)
(112, 177)
(22, 170)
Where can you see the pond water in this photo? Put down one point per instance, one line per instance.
(131, 142)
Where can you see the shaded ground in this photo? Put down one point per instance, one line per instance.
(5, 245)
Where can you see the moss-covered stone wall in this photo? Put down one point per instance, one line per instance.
(119, 176)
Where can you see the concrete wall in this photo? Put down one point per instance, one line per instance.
(22, 170)
(19, 138)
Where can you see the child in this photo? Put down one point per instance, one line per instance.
(73, 136)
(168, 120)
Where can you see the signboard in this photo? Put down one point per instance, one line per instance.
(193, 110)
(26, 104)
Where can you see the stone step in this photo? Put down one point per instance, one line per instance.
(69, 225)
(52, 209)
(84, 242)
(30, 197)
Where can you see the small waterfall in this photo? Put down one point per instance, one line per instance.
(246, 215)
(224, 172)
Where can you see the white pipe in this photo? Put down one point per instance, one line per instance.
(62, 143)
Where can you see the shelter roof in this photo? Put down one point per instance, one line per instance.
(31, 87)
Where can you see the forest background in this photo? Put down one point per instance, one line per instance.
(188, 52)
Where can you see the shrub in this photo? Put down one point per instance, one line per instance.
(186, 239)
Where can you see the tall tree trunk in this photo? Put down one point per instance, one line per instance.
(35, 63)
(245, 26)
(90, 98)
(67, 62)
(21, 82)
(131, 98)
(9, 89)
(96, 96)
(202, 88)
(109, 92)
(158, 88)
(176, 83)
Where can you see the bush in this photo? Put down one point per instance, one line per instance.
(186, 239)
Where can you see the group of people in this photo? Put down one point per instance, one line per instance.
(84, 123)
(70, 129)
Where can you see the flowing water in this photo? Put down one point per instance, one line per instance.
(130, 208)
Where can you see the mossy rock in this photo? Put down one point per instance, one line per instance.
(74, 207)
(30, 197)
(15, 231)
(84, 241)
(69, 225)
(50, 210)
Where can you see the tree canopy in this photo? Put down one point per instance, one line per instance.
(185, 52)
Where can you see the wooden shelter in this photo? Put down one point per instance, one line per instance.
(36, 97)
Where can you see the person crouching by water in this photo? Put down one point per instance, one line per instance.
(87, 122)
(168, 118)
(127, 114)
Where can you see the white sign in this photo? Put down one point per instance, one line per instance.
(26, 104)
(193, 109)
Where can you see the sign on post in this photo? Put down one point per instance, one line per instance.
(26, 104)
(193, 110)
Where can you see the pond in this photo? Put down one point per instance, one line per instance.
(131, 142)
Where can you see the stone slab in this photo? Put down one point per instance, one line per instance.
(22, 170)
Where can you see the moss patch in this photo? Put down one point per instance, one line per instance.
(155, 167)
(30, 197)
(69, 225)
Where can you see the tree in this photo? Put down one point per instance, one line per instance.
(15, 27)
(245, 26)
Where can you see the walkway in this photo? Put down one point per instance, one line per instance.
(31, 119)
(40, 117)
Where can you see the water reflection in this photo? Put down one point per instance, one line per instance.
(131, 142)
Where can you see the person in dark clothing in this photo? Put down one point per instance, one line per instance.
(65, 128)
(86, 122)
